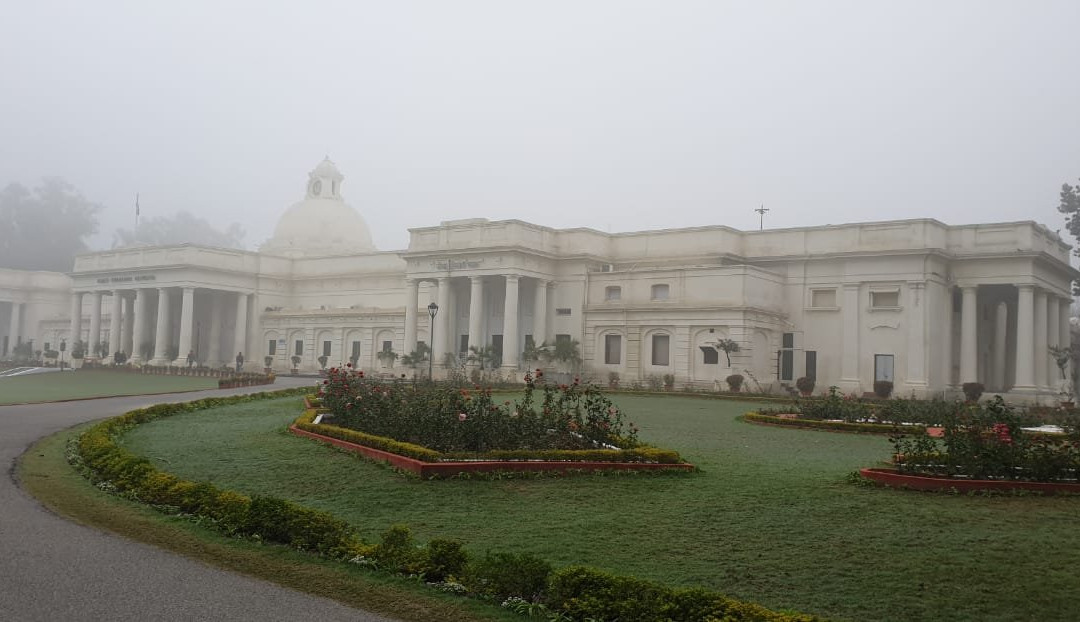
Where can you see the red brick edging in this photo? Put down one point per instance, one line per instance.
(449, 469)
(896, 479)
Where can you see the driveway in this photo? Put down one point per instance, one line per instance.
(52, 569)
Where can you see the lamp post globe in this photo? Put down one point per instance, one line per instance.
(432, 310)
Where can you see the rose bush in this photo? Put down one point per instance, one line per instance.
(452, 419)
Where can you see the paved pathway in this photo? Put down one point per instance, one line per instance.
(53, 569)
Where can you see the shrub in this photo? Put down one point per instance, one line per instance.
(510, 574)
(836, 405)
(443, 559)
(883, 388)
(805, 385)
(581, 593)
(396, 551)
(973, 390)
(734, 382)
(669, 381)
(613, 379)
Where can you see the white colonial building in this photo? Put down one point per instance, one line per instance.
(925, 305)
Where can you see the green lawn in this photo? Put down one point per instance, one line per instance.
(79, 384)
(771, 518)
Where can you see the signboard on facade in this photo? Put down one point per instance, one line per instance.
(128, 278)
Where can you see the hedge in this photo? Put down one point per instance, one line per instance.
(577, 593)
(837, 426)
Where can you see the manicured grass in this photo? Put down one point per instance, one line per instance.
(44, 473)
(51, 387)
(771, 518)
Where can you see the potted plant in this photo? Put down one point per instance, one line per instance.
(727, 346)
(268, 364)
(883, 388)
(973, 390)
(295, 365)
(613, 380)
(805, 385)
(322, 363)
(669, 382)
(1062, 358)
(387, 357)
(734, 382)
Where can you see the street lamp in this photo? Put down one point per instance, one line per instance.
(63, 346)
(432, 309)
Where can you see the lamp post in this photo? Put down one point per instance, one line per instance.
(432, 309)
(63, 346)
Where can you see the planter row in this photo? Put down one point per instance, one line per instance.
(896, 479)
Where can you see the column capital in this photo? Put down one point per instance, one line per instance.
(476, 278)
(512, 277)
(1026, 287)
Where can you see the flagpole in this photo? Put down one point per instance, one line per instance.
(136, 216)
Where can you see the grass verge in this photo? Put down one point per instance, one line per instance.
(43, 472)
(84, 384)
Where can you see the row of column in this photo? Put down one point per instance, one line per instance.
(442, 340)
(1042, 322)
(15, 326)
(128, 319)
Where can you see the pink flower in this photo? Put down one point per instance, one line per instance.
(462, 416)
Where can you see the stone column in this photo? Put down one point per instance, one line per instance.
(138, 329)
(540, 312)
(187, 321)
(1065, 336)
(95, 325)
(1041, 352)
(849, 317)
(1025, 339)
(1053, 374)
(16, 322)
(127, 332)
(476, 310)
(115, 316)
(443, 341)
(412, 294)
(76, 319)
(511, 347)
(917, 346)
(240, 334)
(213, 354)
(1001, 326)
(969, 319)
(161, 329)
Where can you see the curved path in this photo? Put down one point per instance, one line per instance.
(53, 569)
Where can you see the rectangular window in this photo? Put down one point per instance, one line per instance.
(613, 293)
(463, 346)
(529, 342)
(299, 347)
(883, 367)
(47, 348)
(497, 346)
(885, 300)
(271, 347)
(612, 349)
(787, 356)
(823, 298)
(711, 356)
(562, 339)
(660, 346)
(660, 292)
(811, 364)
(326, 348)
(355, 350)
(387, 346)
(562, 311)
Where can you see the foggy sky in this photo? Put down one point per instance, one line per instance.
(616, 115)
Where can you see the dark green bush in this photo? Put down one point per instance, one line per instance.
(443, 559)
(396, 551)
(509, 574)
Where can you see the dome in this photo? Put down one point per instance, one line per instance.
(322, 224)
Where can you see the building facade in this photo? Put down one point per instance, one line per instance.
(922, 304)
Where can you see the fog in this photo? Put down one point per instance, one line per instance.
(613, 115)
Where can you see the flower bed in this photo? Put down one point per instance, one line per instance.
(896, 479)
(429, 463)
(832, 426)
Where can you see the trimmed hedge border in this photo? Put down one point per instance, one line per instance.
(577, 593)
(428, 463)
(896, 479)
(830, 426)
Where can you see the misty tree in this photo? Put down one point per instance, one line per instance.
(183, 227)
(44, 228)
(1070, 206)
